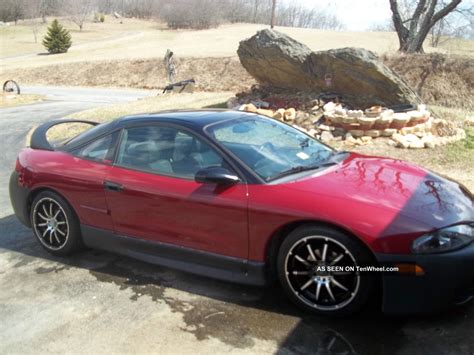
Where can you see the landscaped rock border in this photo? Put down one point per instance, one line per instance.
(413, 129)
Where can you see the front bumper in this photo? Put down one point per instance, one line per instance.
(448, 280)
(19, 199)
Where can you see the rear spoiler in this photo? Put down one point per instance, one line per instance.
(38, 138)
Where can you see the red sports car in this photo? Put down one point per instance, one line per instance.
(248, 199)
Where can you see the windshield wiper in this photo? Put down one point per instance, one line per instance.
(299, 169)
(304, 143)
(340, 152)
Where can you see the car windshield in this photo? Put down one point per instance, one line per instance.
(270, 148)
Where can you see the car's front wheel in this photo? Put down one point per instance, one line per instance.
(55, 224)
(317, 268)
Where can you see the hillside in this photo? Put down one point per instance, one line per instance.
(136, 39)
(440, 80)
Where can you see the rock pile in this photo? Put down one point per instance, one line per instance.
(469, 121)
(299, 119)
(413, 129)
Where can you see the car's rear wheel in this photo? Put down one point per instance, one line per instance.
(55, 224)
(317, 268)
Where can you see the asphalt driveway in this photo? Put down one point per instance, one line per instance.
(97, 302)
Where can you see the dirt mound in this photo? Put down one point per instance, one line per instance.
(211, 74)
(438, 79)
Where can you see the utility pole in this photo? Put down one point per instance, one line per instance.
(272, 22)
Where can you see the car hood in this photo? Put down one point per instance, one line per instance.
(408, 191)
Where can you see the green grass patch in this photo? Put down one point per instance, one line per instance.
(462, 151)
(449, 113)
(222, 104)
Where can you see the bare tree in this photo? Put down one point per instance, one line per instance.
(299, 16)
(34, 9)
(12, 10)
(458, 24)
(272, 21)
(79, 10)
(196, 14)
(414, 26)
(385, 26)
(45, 8)
(256, 10)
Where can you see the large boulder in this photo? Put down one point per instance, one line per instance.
(277, 60)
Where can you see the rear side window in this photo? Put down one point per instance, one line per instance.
(165, 151)
(100, 150)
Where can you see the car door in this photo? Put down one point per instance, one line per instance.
(82, 181)
(152, 195)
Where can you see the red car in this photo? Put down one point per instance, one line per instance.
(248, 199)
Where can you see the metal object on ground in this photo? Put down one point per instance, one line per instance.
(181, 86)
(11, 87)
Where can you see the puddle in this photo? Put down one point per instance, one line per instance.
(47, 270)
(237, 315)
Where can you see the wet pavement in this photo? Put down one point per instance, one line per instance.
(99, 302)
(100, 291)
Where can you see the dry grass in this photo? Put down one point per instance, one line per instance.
(451, 113)
(17, 100)
(211, 74)
(17, 40)
(440, 79)
(155, 104)
(147, 39)
(147, 105)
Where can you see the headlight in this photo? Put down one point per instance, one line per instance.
(443, 240)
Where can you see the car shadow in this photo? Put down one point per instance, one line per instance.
(237, 314)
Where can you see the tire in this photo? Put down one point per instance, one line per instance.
(301, 273)
(55, 224)
(11, 86)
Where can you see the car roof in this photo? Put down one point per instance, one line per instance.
(192, 118)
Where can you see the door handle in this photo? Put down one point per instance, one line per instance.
(112, 186)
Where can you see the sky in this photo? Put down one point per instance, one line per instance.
(357, 15)
(360, 15)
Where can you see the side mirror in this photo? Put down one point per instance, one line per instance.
(216, 175)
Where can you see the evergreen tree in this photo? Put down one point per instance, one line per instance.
(58, 39)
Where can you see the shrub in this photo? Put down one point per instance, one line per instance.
(58, 39)
(197, 14)
(99, 17)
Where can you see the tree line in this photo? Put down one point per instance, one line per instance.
(197, 14)
(412, 20)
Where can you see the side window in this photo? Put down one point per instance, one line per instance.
(166, 151)
(99, 150)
